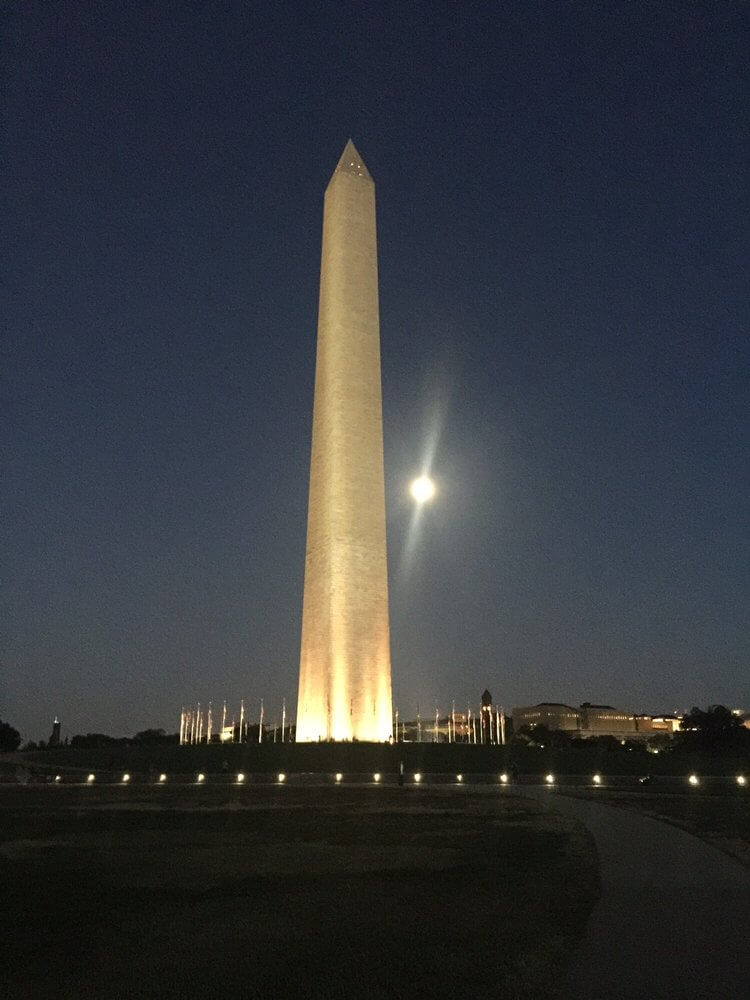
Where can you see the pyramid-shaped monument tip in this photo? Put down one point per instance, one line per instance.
(352, 163)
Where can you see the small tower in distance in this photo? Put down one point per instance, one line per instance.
(54, 740)
(485, 718)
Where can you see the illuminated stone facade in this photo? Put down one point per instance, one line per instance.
(551, 714)
(593, 720)
(345, 670)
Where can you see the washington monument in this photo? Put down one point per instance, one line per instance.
(345, 663)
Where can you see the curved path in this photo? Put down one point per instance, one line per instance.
(673, 920)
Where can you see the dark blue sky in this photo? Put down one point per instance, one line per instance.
(562, 199)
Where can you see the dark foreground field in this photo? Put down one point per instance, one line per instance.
(275, 891)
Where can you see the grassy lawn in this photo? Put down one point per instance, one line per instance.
(724, 820)
(288, 892)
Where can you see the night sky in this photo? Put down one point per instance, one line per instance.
(562, 212)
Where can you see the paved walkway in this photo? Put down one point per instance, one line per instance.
(673, 920)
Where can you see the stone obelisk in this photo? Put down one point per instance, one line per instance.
(345, 667)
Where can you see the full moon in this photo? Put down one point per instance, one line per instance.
(422, 489)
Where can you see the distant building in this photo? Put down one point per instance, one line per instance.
(662, 723)
(594, 720)
(552, 714)
(604, 720)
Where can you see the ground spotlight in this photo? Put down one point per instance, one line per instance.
(417, 777)
(91, 779)
(550, 779)
(201, 778)
(694, 779)
(503, 778)
(339, 776)
(57, 777)
(282, 777)
(741, 779)
(125, 778)
(376, 776)
(162, 778)
(240, 778)
(459, 778)
(597, 779)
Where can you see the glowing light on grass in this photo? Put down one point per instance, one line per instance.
(597, 779)
(91, 779)
(125, 778)
(550, 779)
(417, 777)
(339, 776)
(281, 777)
(240, 778)
(459, 778)
(201, 778)
(503, 778)
(162, 778)
(376, 777)
(741, 780)
(694, 779)
(57, 777)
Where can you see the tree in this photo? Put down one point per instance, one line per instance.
(527, 734)
(10, 738)
(607, 742)
(560, 739)
(542, 736)
(149, 736)
(716, 728)
(716, 719)
(638, 745)
(92, 741)
(660, 743)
